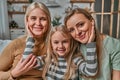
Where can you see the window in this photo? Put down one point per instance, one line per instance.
(108, 16)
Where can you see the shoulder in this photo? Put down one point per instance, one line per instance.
(3, 44)
(17, 42)
(111, 43)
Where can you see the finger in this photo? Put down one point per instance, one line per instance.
(92, 35)
(21, 60)
(30, 62)
(34, 63)
(29, 30)
(25, 61)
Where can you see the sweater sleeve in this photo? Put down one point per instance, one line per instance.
(29, 50)
(40, 62)
(9, 58)
(88, 67)
(29, 47)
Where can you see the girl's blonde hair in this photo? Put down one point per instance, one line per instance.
(98, 35)
(39, 41)
(52, 56)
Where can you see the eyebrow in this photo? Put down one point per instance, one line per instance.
(79, 23)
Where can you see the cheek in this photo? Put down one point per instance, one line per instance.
(53, 46)
(68, 46)
(87, 29)
(88, 33)
(73, 35)
(30, 23)
(46, 25)
(45, 30)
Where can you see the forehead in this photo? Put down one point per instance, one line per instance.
(37, 12)
(78, 16)
(59, 35)
(74, 19)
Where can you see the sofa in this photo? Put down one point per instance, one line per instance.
(3, 44)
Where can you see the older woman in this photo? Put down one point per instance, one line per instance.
(80, 25)
(12, 66)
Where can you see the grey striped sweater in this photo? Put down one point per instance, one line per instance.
(87, 68)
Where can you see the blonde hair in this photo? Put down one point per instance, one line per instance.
(98, 35)
(52, 56)
(39, 41)
(40, 5)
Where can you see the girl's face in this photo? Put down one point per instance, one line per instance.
(37, 22)
(60, 44)
(79, 27)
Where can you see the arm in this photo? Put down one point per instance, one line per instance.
(28, 50)
(9, 61)
(115, 75)
(40, 62)
(88, 67)
(115, 60)
(29, 43)
(29, 47)
(6, 60)
(23, 66)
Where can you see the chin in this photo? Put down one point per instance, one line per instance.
(83, 41)
(38, 33)
(61, 55)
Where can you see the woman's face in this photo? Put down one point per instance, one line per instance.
(60, 44)
(37, 22)
(79, 27)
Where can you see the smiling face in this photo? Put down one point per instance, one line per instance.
(79, 27)
(60, 43)
(37, 22)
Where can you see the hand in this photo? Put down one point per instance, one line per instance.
(92, 35)
(115, 75)
(29, 30)
(24, 65)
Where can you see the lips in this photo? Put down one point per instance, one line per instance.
(81, 36)
(61, 51)
(38, 28)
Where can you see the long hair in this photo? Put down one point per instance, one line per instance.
(39, 41)
(98, 35)
(52, 56)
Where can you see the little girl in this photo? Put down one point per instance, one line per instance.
(63, 60)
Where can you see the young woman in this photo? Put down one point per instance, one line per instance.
(79, 23)
(38, 22)
(62, 61)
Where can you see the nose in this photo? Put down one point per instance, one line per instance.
(60, 45)
(78, 32)
(38, 22)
